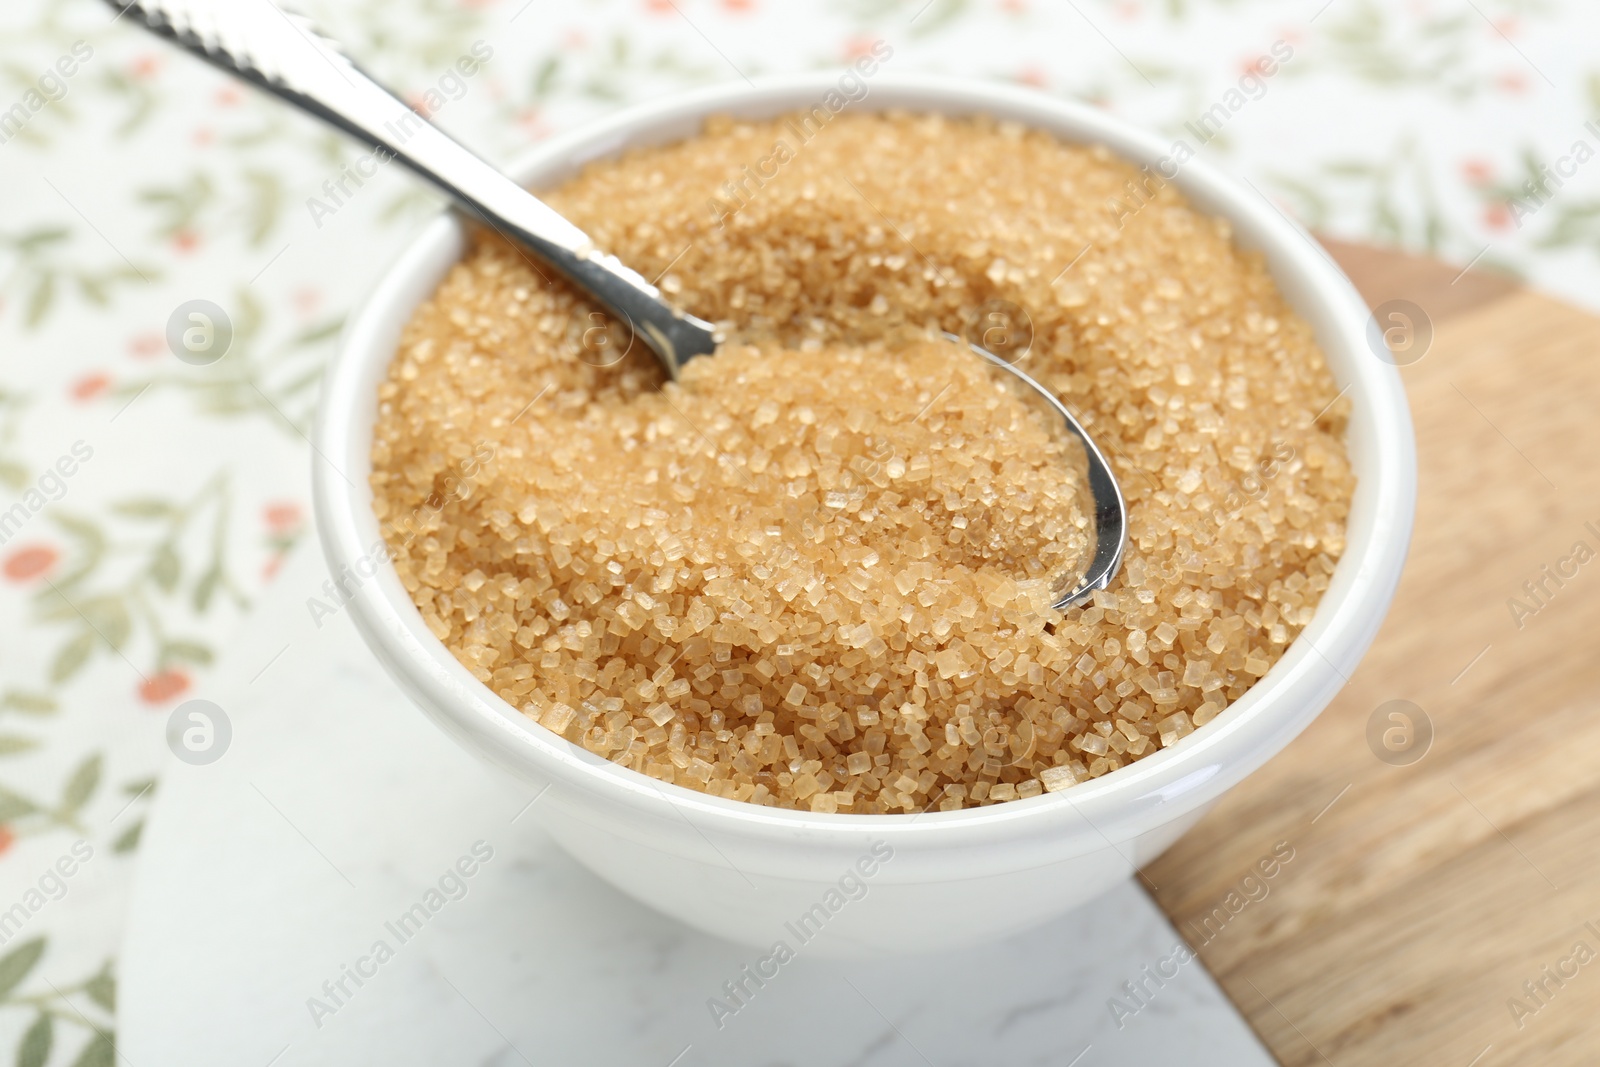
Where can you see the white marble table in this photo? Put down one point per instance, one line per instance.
(337, 806)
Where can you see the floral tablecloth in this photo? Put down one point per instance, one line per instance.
(146, 501)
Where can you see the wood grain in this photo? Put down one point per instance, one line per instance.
(1418, 904)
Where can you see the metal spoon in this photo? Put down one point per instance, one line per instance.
(282, 52)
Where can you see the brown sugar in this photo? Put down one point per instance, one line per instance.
(815, 572)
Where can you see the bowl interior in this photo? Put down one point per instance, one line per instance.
(1144, 793)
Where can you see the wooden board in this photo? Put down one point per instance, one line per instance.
(1421, 900)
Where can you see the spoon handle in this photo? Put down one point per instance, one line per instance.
(282, 52)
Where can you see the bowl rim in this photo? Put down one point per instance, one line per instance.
(1130, 800)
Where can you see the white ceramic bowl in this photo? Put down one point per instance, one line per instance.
(861, 884)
